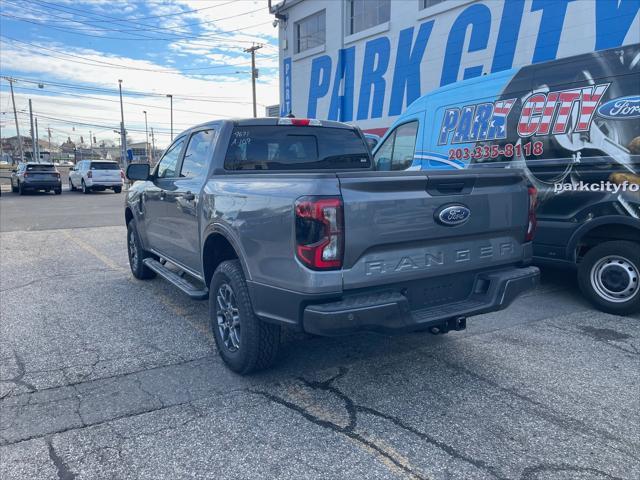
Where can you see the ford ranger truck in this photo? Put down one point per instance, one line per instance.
(286, 223)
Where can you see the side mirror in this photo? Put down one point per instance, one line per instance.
(138, 171)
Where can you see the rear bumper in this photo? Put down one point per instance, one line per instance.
(103, 184)
(390, 311)
(40, 184)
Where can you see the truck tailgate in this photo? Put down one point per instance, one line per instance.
(393, 232)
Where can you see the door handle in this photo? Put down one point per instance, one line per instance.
(188, 196)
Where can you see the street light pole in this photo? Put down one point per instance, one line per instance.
(123, 134)
(146, 130)
(15, 115)
(33, 132)
(37, 143)
(171, 101)
(153, 145)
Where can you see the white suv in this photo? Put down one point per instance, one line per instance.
(90, 175)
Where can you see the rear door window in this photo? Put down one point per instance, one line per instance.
(271, 147)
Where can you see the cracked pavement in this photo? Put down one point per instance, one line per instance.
(103, 376)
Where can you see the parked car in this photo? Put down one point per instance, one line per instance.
(284, 223)
(573, 127)
(36, 176)
(91, 175)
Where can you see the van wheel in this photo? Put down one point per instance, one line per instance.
(137, 254)
(244, 342)
(609, 276)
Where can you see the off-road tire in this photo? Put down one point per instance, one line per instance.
(259, 341)
(138, 268)
(624, 251)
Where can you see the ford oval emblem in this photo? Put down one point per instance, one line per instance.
(621, 108)
(451, 215)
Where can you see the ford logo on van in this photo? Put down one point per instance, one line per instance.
(451, 215)
(621, 108)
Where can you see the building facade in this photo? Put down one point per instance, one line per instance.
(365, 61)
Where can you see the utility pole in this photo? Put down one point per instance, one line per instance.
(146, 130)
(15, 115)
(153, 145)
(171, 100)
(123, 133)
(33, 132)
(49, 132)
(37, 143)
(254, 74)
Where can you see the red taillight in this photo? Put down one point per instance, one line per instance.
(25, 174)
(300, 122)
(89, 174)
(319, 232)
(532, 223)
(121, 174)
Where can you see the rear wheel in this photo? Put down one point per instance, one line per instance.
(244, 342)
(609, 276)
(117, 189)
(58, 191)
(71, 186)
(137, 254)
(85, 189)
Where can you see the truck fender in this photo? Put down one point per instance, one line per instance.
(587, 227)
(227, 233)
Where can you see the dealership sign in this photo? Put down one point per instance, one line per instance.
(379, 77)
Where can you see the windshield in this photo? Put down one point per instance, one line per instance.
(271, 147)
(104, 166)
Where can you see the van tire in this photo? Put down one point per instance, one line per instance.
(138, 268)
(608, 274)
(258, 341)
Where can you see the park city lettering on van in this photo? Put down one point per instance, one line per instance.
(543, 113)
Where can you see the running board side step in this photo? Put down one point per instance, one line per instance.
(172, 277)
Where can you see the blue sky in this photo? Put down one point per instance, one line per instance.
(78, 50)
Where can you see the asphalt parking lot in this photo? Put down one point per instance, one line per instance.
(105, 376)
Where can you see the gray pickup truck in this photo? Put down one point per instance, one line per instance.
(286, 222)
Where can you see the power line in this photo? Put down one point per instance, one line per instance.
(204, 99)
(101, 63)
(216, 36)
(136, 30)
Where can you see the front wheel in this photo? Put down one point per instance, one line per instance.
(71, 186)
(137, 254)
(244, 342)
(609, 276)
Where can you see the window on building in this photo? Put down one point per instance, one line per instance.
(429, 3)
(196, 158)
(397, 151)
(310, 32)
(364, 14)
